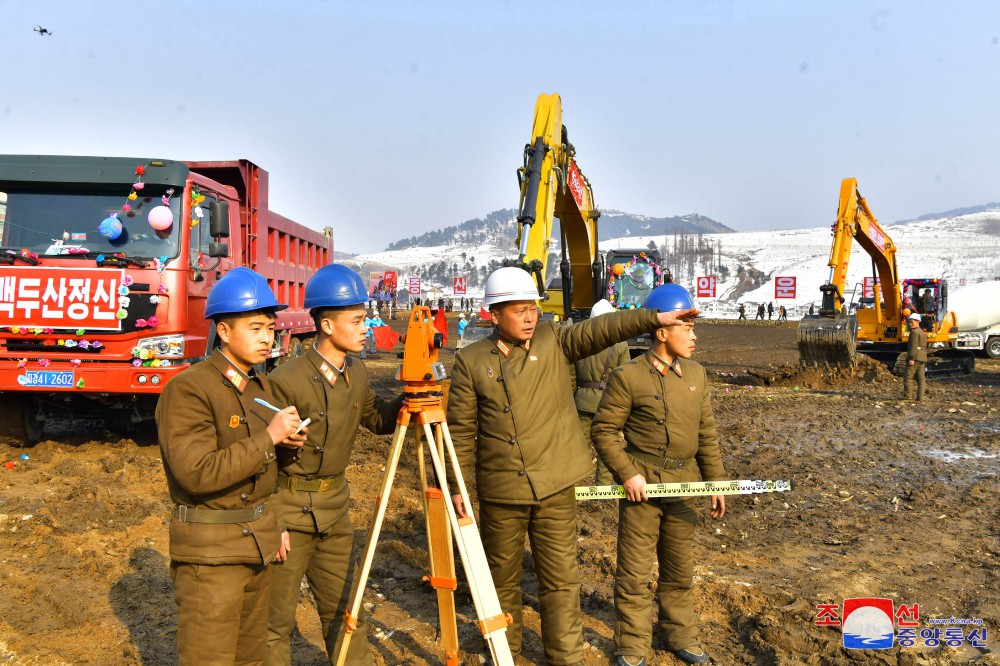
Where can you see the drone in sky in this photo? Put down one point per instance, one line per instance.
(43, 32)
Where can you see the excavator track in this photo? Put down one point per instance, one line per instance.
(828, 341)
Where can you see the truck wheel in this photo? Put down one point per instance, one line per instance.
(993, 347)
(18, 421)
(34, 427)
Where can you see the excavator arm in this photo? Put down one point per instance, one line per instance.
(553, 186)
(831, 338)
(855, 221)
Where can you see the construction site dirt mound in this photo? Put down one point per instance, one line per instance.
(893, 500)
(865, 371)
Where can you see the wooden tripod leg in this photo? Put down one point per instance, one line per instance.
(358, 593)
(442, 558)
(492, 620)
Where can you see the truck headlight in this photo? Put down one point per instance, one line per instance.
(164, 345)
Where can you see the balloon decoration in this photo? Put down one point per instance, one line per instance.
(110, 228)
(161, 218)
(158, 219)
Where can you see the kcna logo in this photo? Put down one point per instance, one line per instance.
(870, 623)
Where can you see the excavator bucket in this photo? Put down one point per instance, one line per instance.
(828, 340)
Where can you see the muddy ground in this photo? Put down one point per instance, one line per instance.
(892, 499)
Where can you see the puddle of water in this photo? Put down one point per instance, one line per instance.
(955, 456)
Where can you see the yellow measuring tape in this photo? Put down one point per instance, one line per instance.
(690, 489)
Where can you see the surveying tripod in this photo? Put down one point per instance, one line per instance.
(423, 403)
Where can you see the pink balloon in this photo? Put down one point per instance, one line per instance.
(161, 218)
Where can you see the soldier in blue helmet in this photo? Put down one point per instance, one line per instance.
(218, 447)
(660, 403)
(313, 498)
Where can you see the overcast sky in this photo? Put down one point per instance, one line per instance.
(386, 119)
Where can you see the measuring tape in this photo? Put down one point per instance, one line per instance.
(690, 489)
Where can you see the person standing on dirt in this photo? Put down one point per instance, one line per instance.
(462, 323)
(782, 313)
(916, 359)
(760, 312)
(660, 402)
(591, 374)
(313, 497)
(743, 312)
(513, 420)
(218, 449)
(770, 310)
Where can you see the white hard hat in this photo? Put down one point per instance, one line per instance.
(461, 315)
(509, 284)
(602, 306)
(914, 317)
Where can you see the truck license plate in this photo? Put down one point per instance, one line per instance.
(47, 379)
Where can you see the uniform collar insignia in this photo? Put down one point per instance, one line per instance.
(505, 347)
(328, 373)
(662, 367)
(236, 378)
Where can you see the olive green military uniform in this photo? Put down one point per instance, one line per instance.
(220, 466)
(666, 417)
(590, 376)
(916, 351)
(512, 416)
(313, 497)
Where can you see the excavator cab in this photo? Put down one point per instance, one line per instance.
(928, 297)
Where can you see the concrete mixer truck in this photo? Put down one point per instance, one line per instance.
(977, 308)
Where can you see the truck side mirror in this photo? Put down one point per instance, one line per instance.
(218, 249)
(218, 212)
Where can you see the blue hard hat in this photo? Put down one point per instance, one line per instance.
(241, 290)
(334, 286)
(669, 298)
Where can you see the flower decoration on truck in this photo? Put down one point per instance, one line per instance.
(623, 272)
(197, 213)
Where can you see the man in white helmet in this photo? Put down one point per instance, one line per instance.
(916, 359)
(513, 419)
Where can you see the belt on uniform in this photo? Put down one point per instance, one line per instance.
(593, 385)
(311, 485)
(659, 461)
(190, 514)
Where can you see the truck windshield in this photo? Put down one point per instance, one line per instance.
(52, 222)
(634, 284)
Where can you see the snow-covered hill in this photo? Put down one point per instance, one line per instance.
(962, 249)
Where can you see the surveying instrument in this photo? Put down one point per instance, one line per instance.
(423, 403)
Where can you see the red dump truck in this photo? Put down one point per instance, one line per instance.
(105, 265)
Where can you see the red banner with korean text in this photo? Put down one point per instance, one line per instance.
(784, 286)
(705, 286)
(38, 296)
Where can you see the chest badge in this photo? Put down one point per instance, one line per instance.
(692, 388)
(532, 358)
(489, 372)
(234, 421)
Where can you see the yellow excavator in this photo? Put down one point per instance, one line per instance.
(552, 185)
(875, 326)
